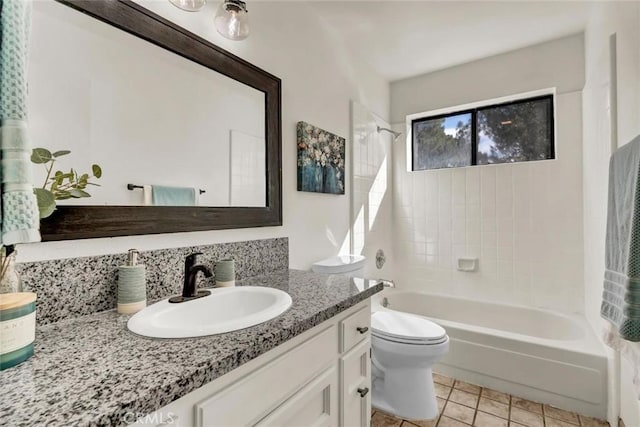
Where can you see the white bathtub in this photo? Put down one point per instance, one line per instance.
(532, 353)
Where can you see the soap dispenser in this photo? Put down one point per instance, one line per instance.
(132, 286)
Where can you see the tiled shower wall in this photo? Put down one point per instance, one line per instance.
(522, 221)
(371, 202)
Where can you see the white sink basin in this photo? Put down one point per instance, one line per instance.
(225, 310)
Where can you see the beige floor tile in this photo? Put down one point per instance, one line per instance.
(495, 395)
(492, 410)
(526, 418)
(592, 422)
(443, 379)
(464, 398)
(459, 412)
(442, 391)
(494, 407)
(450, 422)
(552, 422)
(527, 405)
(380, 419)
(469, 388)
(420, 423)
(488, 420)
(560, 414)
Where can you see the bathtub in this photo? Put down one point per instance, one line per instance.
(532, 353)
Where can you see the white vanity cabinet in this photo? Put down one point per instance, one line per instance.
(320, 378)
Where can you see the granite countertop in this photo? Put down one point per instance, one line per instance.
(91, 370)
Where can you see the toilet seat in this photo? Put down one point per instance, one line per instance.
(406, 328)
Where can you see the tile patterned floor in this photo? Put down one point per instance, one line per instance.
(462, 404)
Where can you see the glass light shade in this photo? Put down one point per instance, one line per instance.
(189, 5)
(232, 20)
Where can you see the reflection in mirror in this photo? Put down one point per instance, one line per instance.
(147, 116)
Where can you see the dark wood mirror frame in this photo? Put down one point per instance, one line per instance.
(82, 222)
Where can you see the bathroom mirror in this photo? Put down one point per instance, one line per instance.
(189, 115)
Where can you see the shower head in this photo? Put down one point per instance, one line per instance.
(395, 134)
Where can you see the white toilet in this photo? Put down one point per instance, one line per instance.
(404, 347)
(349, 265)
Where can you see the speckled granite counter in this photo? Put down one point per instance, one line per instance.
(92, 371)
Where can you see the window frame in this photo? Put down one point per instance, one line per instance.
(473, 109)
(440, 116)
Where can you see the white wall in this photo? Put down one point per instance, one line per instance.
(528, 239)
(318, 80)
(623, 19)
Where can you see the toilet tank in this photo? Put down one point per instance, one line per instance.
(350, 265)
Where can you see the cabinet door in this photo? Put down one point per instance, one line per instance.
(355, 374)
(313, 406)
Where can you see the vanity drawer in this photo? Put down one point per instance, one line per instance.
(248, 400)
(316, 405)
(355, 328)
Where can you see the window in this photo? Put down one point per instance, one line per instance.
(516, 131)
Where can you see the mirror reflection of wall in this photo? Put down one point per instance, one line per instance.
(90, 92)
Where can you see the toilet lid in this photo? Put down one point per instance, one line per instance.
(339, 264)
(405, 327)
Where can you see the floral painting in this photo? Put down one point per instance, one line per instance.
(320, 160)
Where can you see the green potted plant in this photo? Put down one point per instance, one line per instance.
(60, 185)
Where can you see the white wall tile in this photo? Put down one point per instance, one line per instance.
(459, 189)
(473, 232)
(473, 185)
(522, 221)
(505, 254)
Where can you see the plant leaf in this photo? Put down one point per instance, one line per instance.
(46, 202)
(76, 193)
(61, 153)
(97, 171)
(40, 155)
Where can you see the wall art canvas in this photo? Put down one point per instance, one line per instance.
(321, 165)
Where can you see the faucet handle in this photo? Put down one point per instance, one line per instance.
(190, 260)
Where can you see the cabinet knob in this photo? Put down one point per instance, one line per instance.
(362, 329)
(363, 391)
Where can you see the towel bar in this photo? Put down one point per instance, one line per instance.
(132, 187)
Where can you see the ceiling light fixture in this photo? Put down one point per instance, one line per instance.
(189, 5)
(232, 20)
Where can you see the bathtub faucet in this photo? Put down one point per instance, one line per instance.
(387, 283)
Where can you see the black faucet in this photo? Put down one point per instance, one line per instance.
(189, 290)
